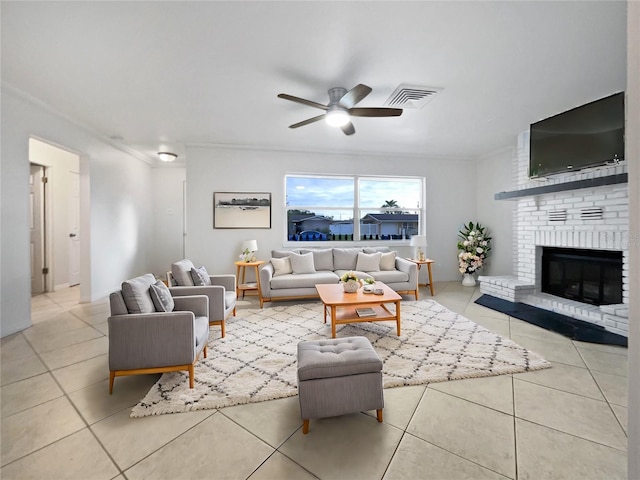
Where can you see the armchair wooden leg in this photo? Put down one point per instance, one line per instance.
(379, 413)
(204, 351)
(222, 327)
(191, 375)
(112, 377)
(305, 426)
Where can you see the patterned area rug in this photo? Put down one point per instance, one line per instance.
(256, 361)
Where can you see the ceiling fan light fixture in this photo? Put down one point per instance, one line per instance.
(167, 156)
(337, 117)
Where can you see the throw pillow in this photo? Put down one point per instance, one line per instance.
(200, 276)
(368, 262)
(136, 294)
(161, 296)
(281, 266)
(302, 263)
(388, 261)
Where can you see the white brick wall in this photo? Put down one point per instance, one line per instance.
(533, 229)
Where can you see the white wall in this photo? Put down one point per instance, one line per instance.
(494, 174)
(632, 152)
(119, 194)
(168, 203)
(450, 199)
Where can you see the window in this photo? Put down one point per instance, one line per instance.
(323, 208)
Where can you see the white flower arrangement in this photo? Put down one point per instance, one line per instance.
(349, 276)
(475, 246)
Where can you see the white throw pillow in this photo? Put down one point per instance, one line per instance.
(281, 266)
(302, 263)
(368, 262)
(388, 261)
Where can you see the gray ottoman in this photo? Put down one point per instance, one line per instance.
(338, 376)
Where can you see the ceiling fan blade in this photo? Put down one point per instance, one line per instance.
(354, 95)
(348, 129)
(303, 101)
(307, 121)
(375, 112)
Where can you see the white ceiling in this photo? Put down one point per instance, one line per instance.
(169, 74)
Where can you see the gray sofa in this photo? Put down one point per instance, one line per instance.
(278, 283)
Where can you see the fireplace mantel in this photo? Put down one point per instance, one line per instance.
(562, 187)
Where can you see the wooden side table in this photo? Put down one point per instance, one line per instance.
(427, 262)
(241, 270)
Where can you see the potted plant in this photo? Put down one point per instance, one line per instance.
(350, 282)
(474, 244)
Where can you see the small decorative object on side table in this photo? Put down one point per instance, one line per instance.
(243, 286)
(427, 262)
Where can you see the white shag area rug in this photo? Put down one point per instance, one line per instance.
(256, 361)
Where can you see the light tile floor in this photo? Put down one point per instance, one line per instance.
(59, 422)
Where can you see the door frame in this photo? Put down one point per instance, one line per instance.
(85, 219)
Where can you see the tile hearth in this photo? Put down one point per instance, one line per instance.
(58, 420)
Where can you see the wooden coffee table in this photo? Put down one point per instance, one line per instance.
(342, 306)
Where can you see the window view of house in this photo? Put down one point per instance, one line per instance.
(337, 208)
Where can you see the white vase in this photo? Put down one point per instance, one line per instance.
(468, 280)
(351, 286)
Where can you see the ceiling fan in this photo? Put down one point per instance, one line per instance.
(341, 107)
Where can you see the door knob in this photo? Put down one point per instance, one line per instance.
(72, 235)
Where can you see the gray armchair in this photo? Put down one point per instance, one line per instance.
(142, 340)
(221, 291)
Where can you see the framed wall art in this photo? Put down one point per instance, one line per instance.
(241, 210)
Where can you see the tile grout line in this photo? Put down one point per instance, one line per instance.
(624, 431)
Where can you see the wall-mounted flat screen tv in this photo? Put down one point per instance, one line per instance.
(586, 136)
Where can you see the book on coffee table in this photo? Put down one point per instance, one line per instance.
(365, 312)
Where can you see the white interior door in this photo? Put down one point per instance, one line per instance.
(74, 229)
(37, 228)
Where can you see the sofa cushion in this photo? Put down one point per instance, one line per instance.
(322, 259)
(136, 294)
(302, 263)
(282, 253)
(161, 297)
(376, 249)
(345, 258)
(200, 276)
(281, 266)
(303, 280)
(368, 262)
(337, 357)
(181, 272)
(391, 276)
(388, 261)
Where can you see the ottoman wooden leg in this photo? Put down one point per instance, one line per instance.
(305, 426)
(379, 412)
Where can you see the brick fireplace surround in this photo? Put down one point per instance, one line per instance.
(587, 218)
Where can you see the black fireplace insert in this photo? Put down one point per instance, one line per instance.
(587, 276)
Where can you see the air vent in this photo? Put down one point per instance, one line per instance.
(557, 215)
(411, 96)
(591, 213)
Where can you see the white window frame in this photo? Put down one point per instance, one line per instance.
(355, 210)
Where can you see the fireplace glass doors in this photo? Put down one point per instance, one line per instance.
(587, 276)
